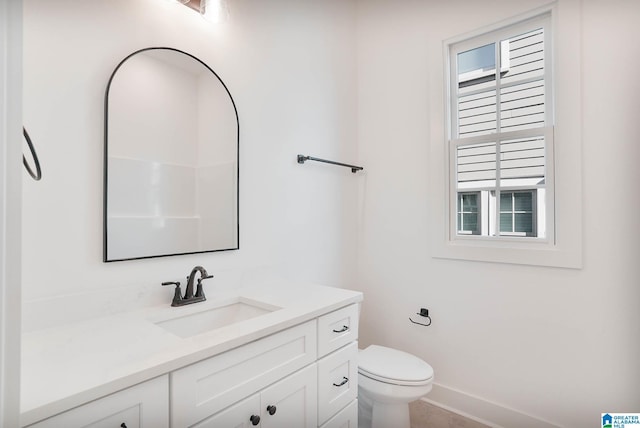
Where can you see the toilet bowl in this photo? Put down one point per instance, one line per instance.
(388, 380)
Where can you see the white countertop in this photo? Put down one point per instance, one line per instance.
(70, 365)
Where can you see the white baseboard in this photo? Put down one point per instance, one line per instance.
(481, 410)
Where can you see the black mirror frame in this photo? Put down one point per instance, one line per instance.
(106, 165)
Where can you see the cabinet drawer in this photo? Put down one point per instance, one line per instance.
(346, 418)
(209, 386)
(337, 381)
(337, 328)
(142, 406)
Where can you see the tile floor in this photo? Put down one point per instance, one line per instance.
(426, 415)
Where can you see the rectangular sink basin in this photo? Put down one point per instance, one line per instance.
(207, 320)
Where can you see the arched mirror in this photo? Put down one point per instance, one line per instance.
(171, 158)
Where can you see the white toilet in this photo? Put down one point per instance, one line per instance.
(388, 380)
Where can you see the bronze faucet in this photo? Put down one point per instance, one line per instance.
(189, 297)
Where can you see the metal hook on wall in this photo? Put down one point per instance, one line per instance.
(424, 312)
(38, 174)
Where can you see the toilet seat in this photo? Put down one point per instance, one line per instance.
(393, 366)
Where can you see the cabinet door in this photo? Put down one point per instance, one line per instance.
(245, 414)
(293, 401)
(142, 406)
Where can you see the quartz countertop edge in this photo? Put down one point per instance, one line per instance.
(70, 365)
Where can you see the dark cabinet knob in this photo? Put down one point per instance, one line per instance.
(271, 410)
(123, 425)
(255, 420)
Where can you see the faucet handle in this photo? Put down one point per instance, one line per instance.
(177, 295)
(176, 283)
(199, 291)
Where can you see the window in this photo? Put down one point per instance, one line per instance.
(481, 63)
(469, 213)
(518, 213)
(501, 134)
(501, 130)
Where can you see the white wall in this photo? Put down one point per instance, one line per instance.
(11, 173)
(290, 68)
(556, 344)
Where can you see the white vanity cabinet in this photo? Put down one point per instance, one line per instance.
(277, 381)
(296, 367)
(141, 406)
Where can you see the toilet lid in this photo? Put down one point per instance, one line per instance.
(393, 366)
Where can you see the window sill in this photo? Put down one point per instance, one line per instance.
(538, 253)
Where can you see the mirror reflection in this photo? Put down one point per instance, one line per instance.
(171, 158)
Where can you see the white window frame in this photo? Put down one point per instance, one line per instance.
(563, 246)
(496, 37)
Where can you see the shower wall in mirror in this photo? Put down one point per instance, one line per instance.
(171, 158)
